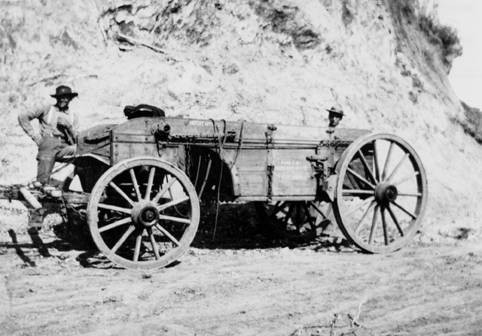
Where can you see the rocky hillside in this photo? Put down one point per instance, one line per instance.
(385, 62)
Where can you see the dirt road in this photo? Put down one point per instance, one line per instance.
(48, 288)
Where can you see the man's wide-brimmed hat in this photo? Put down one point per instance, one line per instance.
(64, 91)
(336, 111)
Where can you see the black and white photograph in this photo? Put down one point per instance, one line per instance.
(241, 167)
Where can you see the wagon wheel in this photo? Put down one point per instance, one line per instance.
(381, 193)
(295, 219)
(143, 213)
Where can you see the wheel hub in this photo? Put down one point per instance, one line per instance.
(386, 193)
(145, 214)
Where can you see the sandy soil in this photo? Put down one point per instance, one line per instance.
(50, 288)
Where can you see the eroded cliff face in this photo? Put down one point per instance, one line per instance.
(261, 60)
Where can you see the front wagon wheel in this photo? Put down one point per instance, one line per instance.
(143, 213)
(381, 193)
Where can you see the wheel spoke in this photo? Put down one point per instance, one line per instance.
(137, 248)
(365, 163)
(404, 210)
(353, 182)
(277, 207)
(288, 215)
(387, 161)
(374, 224)
(168, 235)
(114, 208)
(170, 193)
(394, 218)
(155, 248)
(384, 224)
(134, 182)
(172, 203)
(123, 238)
(297, 216)
(357, 192)
(409, 194)
(354, 173)
(197, 172)
(397, 167)
(317, 208)
(175, 219)
(149, 183)
(375, 161)
(308, 215)
(283, 211)
(360, 205)
(367, 211)
(164, 190)
(208, 170)
(122, 193)
(115, 224)
(405, 179)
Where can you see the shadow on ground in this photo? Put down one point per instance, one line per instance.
(233, 227)
(242, 227)
(37, 243)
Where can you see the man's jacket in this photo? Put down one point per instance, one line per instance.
(52, 122)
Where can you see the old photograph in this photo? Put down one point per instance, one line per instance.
(229, 167)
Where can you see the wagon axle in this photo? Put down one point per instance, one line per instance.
(385, 193)
(145, 214)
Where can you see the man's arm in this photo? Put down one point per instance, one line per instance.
(24, 119)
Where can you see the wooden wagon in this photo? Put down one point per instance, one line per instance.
(144, 179)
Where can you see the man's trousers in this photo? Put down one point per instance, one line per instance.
(50, 150)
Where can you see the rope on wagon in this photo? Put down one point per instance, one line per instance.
(240, 144)
(221, 142)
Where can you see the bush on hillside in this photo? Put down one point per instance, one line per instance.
(423, 14)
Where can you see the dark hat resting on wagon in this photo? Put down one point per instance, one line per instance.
(64, 91)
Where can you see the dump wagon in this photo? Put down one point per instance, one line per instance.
(142, 181)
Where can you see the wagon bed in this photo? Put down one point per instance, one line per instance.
(246, 148)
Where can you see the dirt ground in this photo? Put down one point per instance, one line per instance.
(50, 287)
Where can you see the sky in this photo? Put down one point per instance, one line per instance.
(466, 74)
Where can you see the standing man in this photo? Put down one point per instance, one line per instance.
(58, 131)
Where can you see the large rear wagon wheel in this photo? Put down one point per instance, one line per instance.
(143, 213)
(381, 193)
